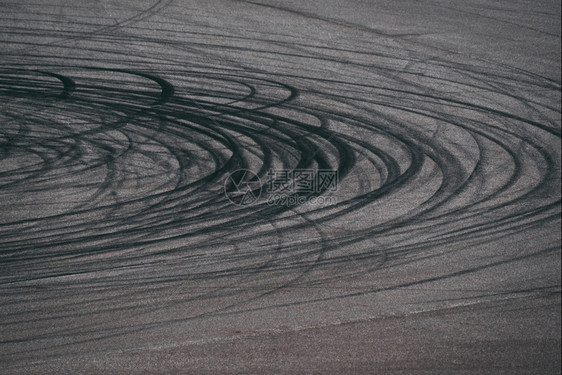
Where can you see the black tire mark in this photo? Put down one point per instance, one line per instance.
(113, 177)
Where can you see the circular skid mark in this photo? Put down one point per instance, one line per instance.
(125, 171)
(121, 123)
(106, 160)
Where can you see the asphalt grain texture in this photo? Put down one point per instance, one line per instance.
(121, 122)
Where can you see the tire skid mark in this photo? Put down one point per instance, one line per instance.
(112, 178)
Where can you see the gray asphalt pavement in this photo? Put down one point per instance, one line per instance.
(283, 187)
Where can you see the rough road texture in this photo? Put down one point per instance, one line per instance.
(439, 251)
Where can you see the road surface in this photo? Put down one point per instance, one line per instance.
(399, 212)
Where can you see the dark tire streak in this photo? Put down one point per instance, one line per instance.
(115, 231)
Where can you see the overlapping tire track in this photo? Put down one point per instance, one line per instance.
(202, 141)
(114, 178)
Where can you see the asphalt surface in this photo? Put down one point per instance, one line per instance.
(428, 243)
